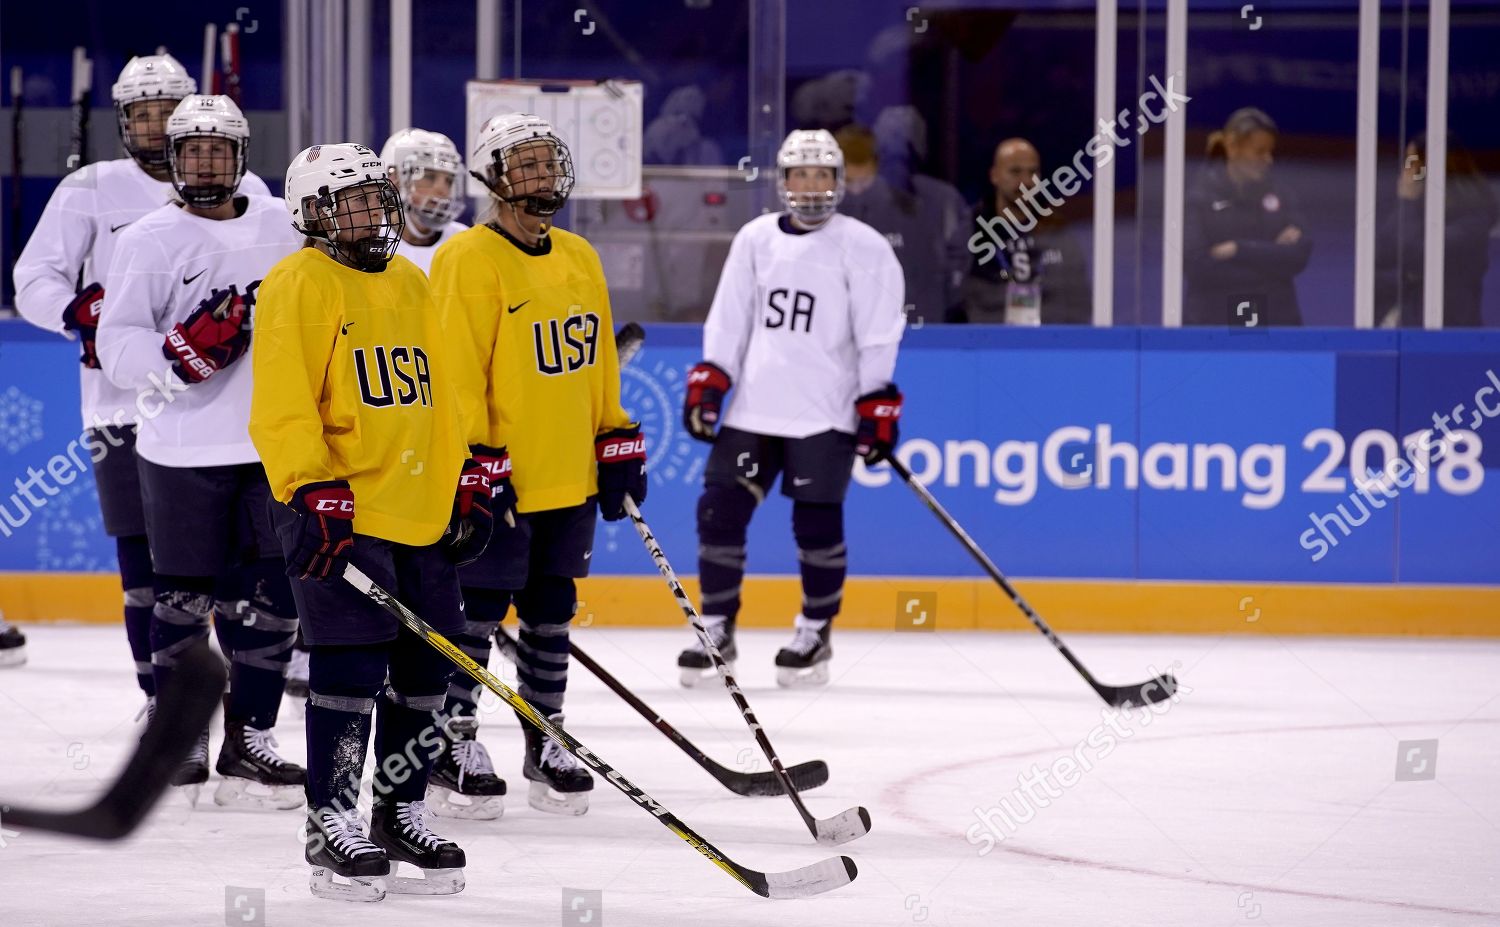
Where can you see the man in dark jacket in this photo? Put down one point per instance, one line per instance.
(1026, 269)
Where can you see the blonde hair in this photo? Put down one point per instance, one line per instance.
(1241, 122)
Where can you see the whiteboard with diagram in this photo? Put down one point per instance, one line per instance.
(601, 122)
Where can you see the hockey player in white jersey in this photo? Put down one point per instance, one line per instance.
(182, 289)
(425, 168)
(804, 327)
(60, 287)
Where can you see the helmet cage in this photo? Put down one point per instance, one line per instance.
(151, 159)
(496, 175)
(207, 196)
(377, 230)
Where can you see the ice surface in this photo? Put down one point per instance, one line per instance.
(1266, 794)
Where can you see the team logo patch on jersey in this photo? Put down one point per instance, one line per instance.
(566, 345)
(407, 364)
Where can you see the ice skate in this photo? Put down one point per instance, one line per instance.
(346, 865)
(463, 783)
(400, 828)
(559, 785)
(255, 777)
(694, 663)
(193, 772)
(12, 645)
(804, 662)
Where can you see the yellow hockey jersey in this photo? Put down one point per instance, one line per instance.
(532, 339)
(353, 382)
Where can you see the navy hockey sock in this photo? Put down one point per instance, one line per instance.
(407, 721)
(178, 620)
(723, 515)
(138, 580)
(822, 557)
(344, 681)
(485, 609)
(545, 609)
(260, 629)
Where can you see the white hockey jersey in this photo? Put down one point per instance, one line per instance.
(74, 241)
(421, 255)
(804, 323)
(165, 266)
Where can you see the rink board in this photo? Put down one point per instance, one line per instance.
(1139, 478)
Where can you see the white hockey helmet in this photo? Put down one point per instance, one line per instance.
(320, 184)
(810, 148)
(148, 77)
(204, 116)
(412, 154)
(541, 185)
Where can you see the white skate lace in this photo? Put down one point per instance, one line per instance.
(413, 816)
(346, 833)
(718, 632)
(148, 710)
(259, 743)
(554, 755)
(472, 759)
(200, 750)
(806, 640)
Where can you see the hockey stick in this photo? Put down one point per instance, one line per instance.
(186, 703)
(83, 85)
(804, 776)
(820, 877)
(628, 341)
(1154, 690)
(842, 827)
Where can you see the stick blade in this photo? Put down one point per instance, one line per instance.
(1157, 689)
(834, 872)
(804, 776)
(844, 827)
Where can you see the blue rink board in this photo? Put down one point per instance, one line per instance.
(1015, 430)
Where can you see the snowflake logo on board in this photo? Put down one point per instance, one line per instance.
(20, 420)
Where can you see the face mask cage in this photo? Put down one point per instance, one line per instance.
(364, 233)
(815, 207)
(510, 172)
(149, 157)
(428, 210)
(231, 164)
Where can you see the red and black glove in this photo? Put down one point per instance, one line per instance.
(471, 524)
(82, 316)
(326, 530)
(875, 440)
(216, 335)
(706, 386)
(621, 453)
(496, 464)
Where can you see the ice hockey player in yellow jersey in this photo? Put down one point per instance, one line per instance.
(356, 420)
(526, 316)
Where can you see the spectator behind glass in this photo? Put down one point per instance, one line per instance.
(1025, 269)
(1243, 241)
(924, 224)
(1399, 243)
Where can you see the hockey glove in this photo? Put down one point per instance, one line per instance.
(496, 464)
(621, 453)
(216, 335)
(326, 530)
(706, 386)
(877, 434)
(470, 526)
(82, 316)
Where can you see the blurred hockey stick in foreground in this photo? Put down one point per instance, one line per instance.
(804, 776)
(183, 709)
(820, 877)
(842, 827)
(1154, 690)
